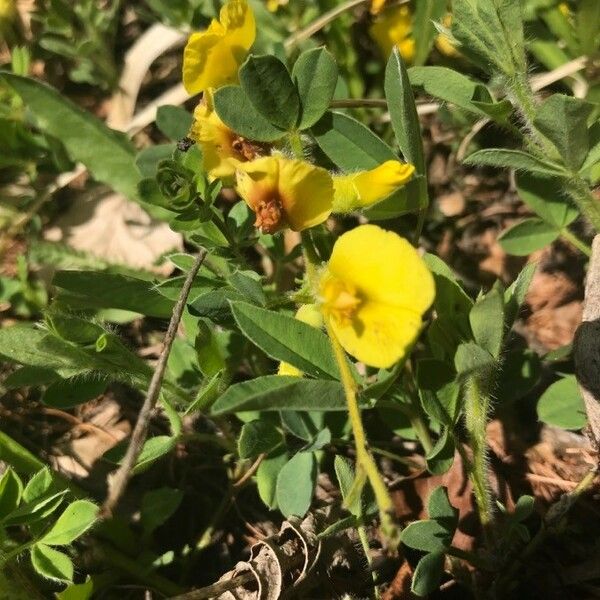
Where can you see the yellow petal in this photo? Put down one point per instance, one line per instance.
(392, 28)
(238, 20)
(212, 58)
(383, 267)
(377, 6)
(303, 191)
(365, 188)
(379, 334)
(374, 292)
(306, 193)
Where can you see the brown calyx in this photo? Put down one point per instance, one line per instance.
(270, 216)
(246, 149)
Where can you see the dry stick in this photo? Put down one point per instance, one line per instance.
(586, 346)
(121, 477)
(216, 589)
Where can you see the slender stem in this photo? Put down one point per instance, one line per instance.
(585, 200)
(138, 437)
(476, 413)
(422, 431)
(217, 589)
(321, 22)
(296, 144)
(359, 103)
(364, 542)
(575, 241)
(364, 458)
(470, 557)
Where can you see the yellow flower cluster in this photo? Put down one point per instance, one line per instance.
(374, 290)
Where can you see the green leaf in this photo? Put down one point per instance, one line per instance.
(35, 510)
(30, 377)
(403, 112)
(588, 32)
(441, 457)
(345, 475)
(563, 120)
(258, 437)
(440, 509)
(424, 32)
(267, 83)
(158, 506)
(237, 112)
(545, 197)
(17, 456)
(175, 122)
(561, 405)
(154, 449)
(285, 338)
(296, 484)
(523, 508)
(277, 392)
(76, 519)
(487, 322)
(215, 305)
(350, 144)
(38, 485)
(458, 89)
(108, 154)
(315, 74)
(527, 236)
(428, 574)
(266, 477)
(68, 393)
(77, 591)
(472, 358)
(249, 286)
(51, 563)
(110, 290)
(427, 536)
(147, 162)
(11, 489)
(514, 159)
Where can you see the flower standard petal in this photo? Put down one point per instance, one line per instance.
(212, 57)
(285, 192)
(306, 193)
(379, 334)
(373, 292)
(383, 267)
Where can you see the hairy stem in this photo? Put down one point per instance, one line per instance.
(477, 404)
(364, 458)
(576, 242)
(585, 200)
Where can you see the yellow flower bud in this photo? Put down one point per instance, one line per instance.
(285, 192)
(373, 294)
(212, 57)
(393, 27)
(311, 315)
(364, 188)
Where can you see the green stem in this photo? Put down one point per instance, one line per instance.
(321, 22)
(364, 458)
(422, 431)
(470, 557)
(296, 144)
(585, 200)
(476, 413)
(575, 241)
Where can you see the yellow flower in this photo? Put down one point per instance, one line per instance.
(212, 58)
(394, 28)
(311, 315)
(285, 192)
(443, 42)
(377, 6)
(222, 149)
(373, 294)
(273, 5)
(362, 189)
